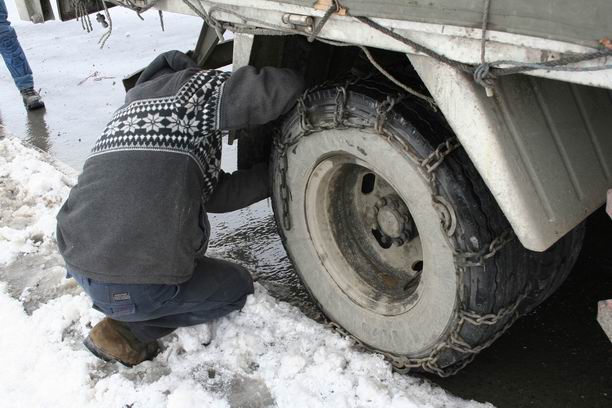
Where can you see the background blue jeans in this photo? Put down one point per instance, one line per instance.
(216, 288)
(12, 53)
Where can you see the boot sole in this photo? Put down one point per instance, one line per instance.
(89, 344)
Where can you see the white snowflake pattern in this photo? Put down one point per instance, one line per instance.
(185, 125)
(197, 100)
(130, 124)
(112, 128)
(192, 126)
(173, 124)
(192, 103)
(152, 122)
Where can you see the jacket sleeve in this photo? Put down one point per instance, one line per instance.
(254, 96)
(163, 77)
(239, 189)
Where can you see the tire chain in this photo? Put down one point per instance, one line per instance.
(463, 259)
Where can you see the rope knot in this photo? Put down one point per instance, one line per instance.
(483, 75)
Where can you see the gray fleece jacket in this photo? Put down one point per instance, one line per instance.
(138, 211)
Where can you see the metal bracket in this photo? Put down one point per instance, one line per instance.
(326, 4)
(299, 22)
(207, 41)
(36, 11)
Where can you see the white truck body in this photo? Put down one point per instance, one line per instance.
(544, 148)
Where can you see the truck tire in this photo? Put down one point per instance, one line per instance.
(394, 233)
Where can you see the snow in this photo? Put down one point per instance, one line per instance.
(30, 217)
(268, 354)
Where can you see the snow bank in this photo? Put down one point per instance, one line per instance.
(31, 192)
(269, 354)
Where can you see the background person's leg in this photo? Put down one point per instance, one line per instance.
(216, 289)
(12, 53)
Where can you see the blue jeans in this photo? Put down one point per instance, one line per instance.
(216, 288)
(13, 55)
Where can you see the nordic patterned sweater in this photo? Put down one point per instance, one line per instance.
(138, 211)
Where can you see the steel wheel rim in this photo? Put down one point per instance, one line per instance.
(363, 233)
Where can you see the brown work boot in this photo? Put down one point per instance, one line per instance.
(112, 340)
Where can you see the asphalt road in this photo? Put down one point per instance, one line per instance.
(555, 357)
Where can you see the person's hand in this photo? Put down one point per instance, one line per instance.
(609, 204)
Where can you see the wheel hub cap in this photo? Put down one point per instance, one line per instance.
(390, 221)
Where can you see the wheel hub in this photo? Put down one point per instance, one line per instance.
(390, 221)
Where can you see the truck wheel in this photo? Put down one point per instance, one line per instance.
(395, 235)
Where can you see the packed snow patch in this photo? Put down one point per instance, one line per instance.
(268, 354)
(31, 191)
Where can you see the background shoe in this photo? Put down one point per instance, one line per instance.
(31, 99)
(112, 340)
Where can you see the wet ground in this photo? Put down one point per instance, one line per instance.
(555, 357)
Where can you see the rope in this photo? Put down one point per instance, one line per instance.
(417, 47)
(522, 67)
(485, 23)
(333, 7)
(108, 33)
(80, 12)
(201, 13)
(391, 78)
(482, 73)
(554, 65)
(486, 72)
(161, 19)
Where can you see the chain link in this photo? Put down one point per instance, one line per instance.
(463, 259)
(469, 258)
(435, 159)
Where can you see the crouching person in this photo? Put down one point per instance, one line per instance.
(134, 230)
